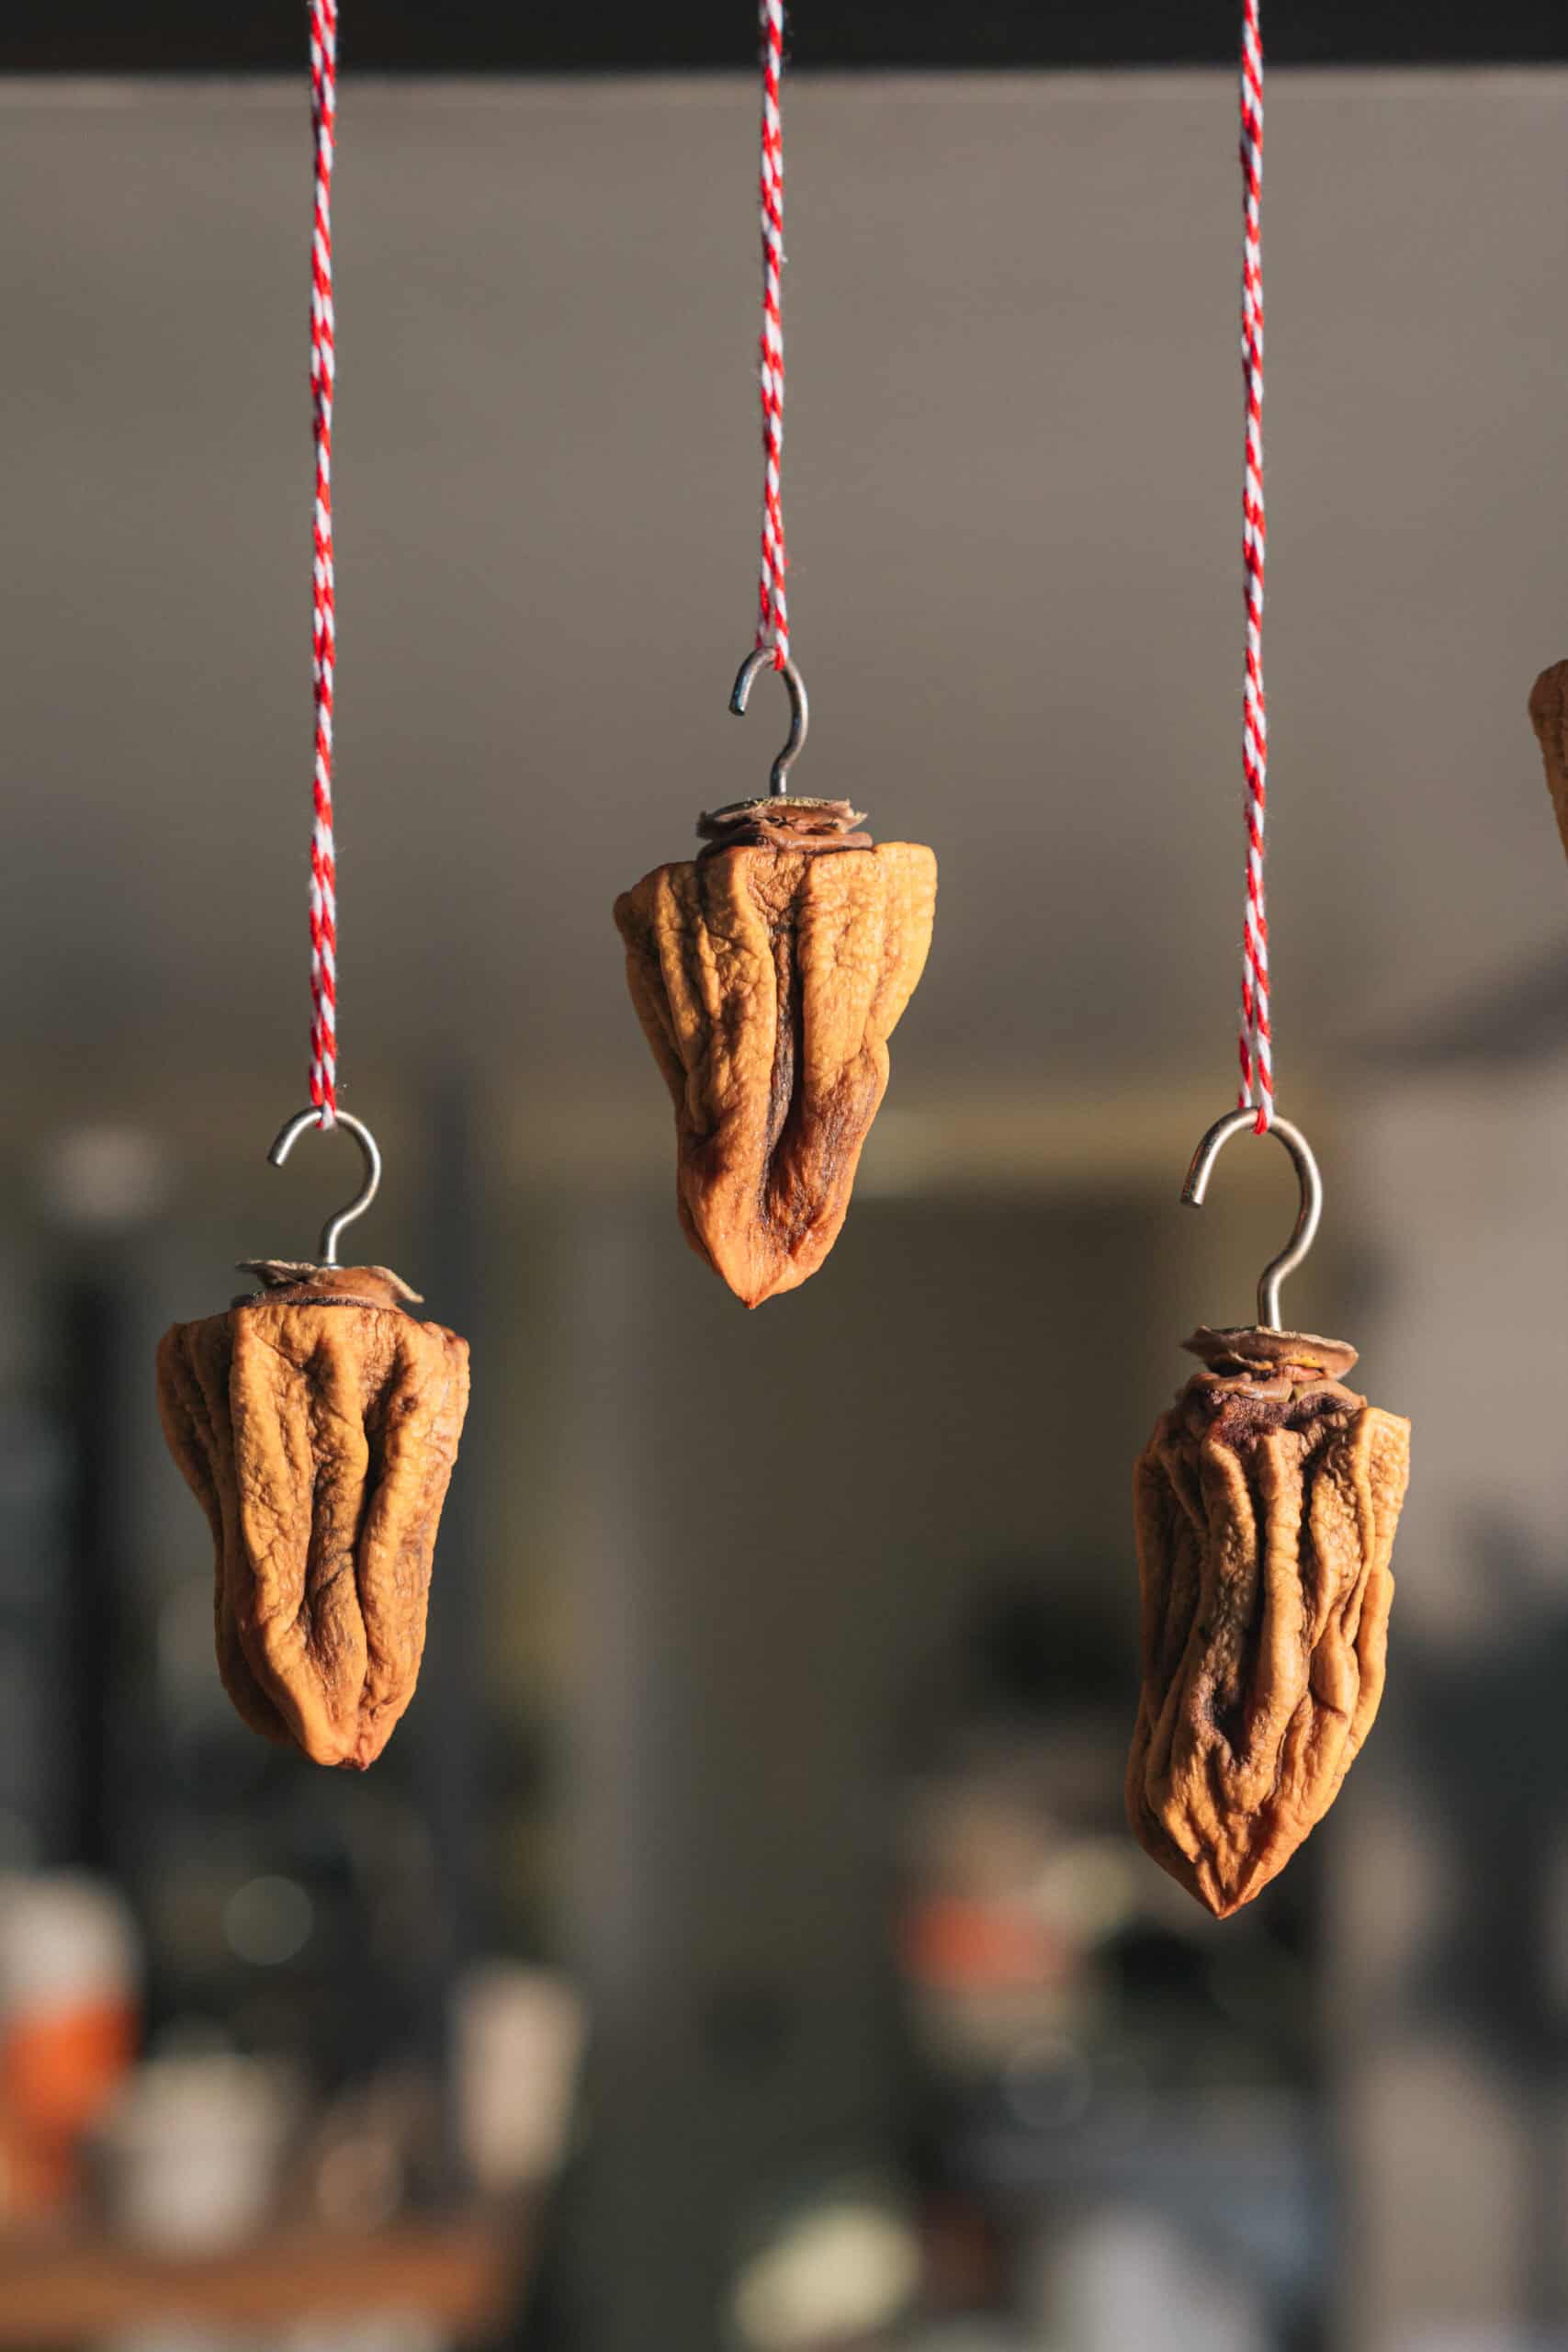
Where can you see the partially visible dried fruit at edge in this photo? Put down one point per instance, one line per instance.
(768, 974)
(317, 1424)
(1549, 716)
(1266, 1505)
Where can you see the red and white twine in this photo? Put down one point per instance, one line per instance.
(1257, 1057)
(323, 632)
(772, 613)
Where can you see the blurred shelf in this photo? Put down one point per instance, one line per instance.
(465, 2275)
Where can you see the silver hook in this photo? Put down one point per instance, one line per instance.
(766, 657)
(288, 1136)
(1308, 1215)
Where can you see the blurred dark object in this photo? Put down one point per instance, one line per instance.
(93, 1320)
(1496, 1799)
(483, 37)
(50, 1803)
(1077, 2031)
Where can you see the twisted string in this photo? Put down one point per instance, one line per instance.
(773, 613)
(1256, 1043)
(324, 630)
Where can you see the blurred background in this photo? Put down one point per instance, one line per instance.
(739, 1945)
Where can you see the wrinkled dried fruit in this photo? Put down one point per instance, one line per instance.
(768, 974)
(1266, 1505)
(317, 1423)
(1549, 716)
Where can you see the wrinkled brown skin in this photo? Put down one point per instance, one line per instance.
(1549, 716)
(768, 980)
(1266, 1505)
(317, 1425)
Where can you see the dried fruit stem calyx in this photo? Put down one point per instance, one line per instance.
(1266, 1505)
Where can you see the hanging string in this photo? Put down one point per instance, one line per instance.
(323, 632)
(1256, 1057)
(773, 613)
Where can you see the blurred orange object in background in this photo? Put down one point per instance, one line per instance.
(69, 2015)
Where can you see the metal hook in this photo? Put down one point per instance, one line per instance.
(1308, 1215)
(287, 1138)
(766, 657)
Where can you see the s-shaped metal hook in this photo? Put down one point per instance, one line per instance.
(286, 1140)
(1308, 1215)
(766, 658)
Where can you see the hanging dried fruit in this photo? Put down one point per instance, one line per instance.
(768, 974)
(317, 1423)
(1267, 1500)
(1265, 1505)
(1549, 716)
